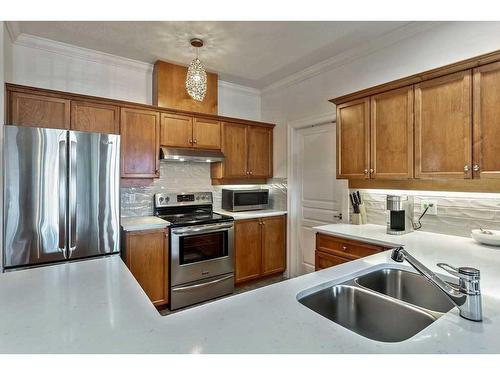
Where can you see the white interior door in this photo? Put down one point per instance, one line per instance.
(323, 198)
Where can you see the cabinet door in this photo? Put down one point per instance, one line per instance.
(93, 117)
(39, 111)
(234, 147)
(206, 134)
(176, 130)
(273, 244)
(140, 132)
(486, 152)
(353, 139)
(443, 127)
(146, 256)
(259, 152)
(248, 252)
(323, 260)
(392, 134)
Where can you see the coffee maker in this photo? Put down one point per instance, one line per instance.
(400, 214)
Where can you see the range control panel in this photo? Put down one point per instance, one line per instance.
(182, 199)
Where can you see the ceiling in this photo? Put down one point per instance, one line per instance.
(254, 54)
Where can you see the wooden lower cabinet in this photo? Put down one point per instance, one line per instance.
(146, 255)
(332, 250)
(260, 247)
(324, 260)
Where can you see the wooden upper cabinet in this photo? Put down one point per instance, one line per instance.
(273, 244)
(443, 127)
(94, 117)
(234, 147)
(140, 134)
(146, 255)
(353, 139)
(248, 253)
(486, 149)
(206, 133)
(392, 134)
(176, 130)
(39, 111)
(260, 152)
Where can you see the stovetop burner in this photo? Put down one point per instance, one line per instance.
(187, 209)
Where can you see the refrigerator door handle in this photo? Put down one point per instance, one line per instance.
(72, 193)
(62, 194)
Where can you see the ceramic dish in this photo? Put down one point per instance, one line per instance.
(486, 238)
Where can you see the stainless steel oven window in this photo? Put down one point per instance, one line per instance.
(201, 247)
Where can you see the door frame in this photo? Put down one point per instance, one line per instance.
(293, 195)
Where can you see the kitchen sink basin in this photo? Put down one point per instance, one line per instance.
(388, 305)
(406, 286)
(369, 314)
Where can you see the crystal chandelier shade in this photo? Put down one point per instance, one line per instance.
(196, 80)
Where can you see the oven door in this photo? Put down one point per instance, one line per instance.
(201, 251)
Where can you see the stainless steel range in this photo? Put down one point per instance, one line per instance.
(201, 248)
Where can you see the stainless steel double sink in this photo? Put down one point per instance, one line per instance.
(388, 305)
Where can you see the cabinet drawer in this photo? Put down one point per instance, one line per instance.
(345, 248)
(325, 260)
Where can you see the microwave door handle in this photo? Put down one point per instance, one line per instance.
(62, 194)
(72, 193)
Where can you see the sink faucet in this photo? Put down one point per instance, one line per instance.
(467, 297)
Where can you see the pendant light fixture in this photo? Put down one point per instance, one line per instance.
(196, 78)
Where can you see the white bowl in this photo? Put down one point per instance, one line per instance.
(487, 239)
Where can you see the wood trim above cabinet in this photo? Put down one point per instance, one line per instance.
(11, 88)
(473, 62)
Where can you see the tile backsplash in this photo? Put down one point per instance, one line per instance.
(188, 177)
(457, 213)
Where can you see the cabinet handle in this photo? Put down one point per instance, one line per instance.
(366, 171)
(191, 141)
(372, 170)
(475, 168)
(195, 141)
(250, 172)
(466, 168)
(344, 247)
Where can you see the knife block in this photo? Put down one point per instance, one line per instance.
(356, 219)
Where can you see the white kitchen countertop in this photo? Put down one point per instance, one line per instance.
(241, 215)
(134, 223)
(95, 306)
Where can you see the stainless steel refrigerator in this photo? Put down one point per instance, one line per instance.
(61, 195)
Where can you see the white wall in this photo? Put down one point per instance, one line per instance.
(49, 64)
(419, 47)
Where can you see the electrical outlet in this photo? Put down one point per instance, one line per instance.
(431, 204)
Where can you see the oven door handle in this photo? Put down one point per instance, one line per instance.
(201, 285)
(208, 228)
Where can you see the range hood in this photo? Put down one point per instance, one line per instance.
(190, 154)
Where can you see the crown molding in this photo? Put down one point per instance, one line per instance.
(239, 88)
(13, 30)
(69, 50)
(407, 31)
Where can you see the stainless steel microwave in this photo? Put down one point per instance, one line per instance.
(245, 200)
